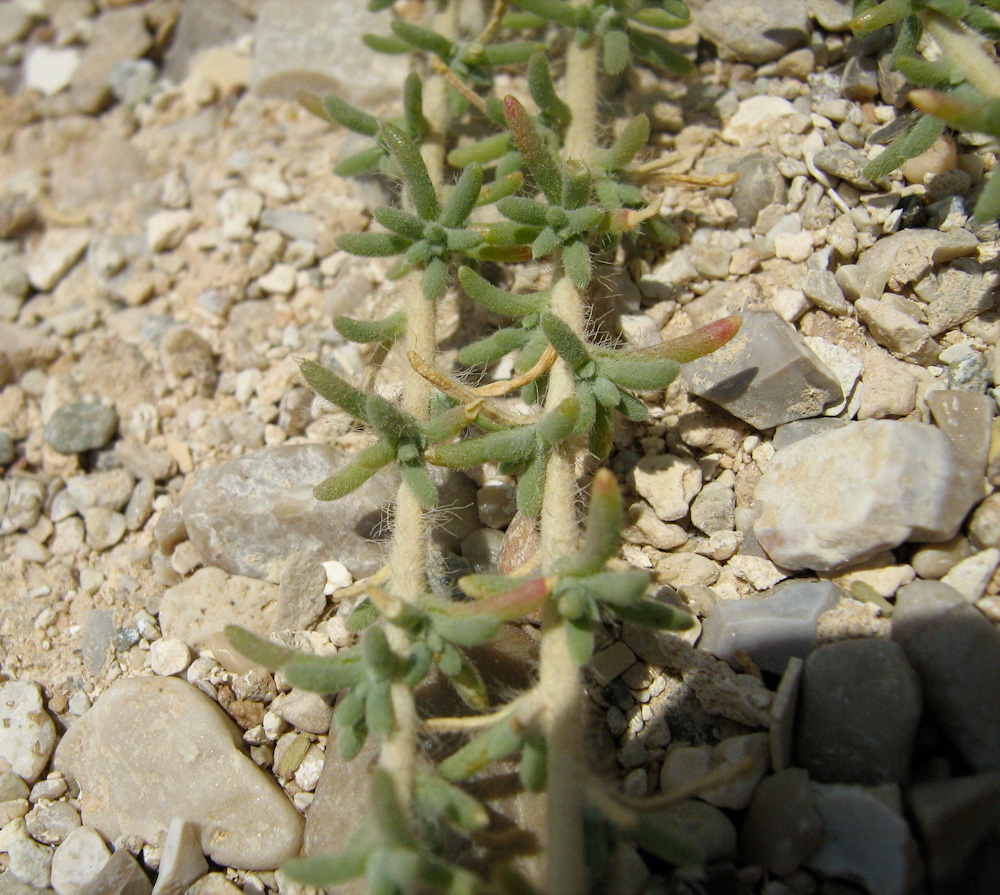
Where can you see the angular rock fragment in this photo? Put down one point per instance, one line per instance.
(765, 375)
(152, 749)
(842, 496)
(865, 840)
(772, 629)
(249, 515)
(783, 827)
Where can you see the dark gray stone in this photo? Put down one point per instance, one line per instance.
(782, 826)
(866, 839)
(80, 427)
(821, 287)
(302, 599)
(956, 652)
(954, 818)
(967, 419)
(860, 80)
(772, 629)
(7, 450)
(858, 713)
(845, 162)
(765, 375)
(796, 430)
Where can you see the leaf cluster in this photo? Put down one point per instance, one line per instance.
(962, 85)
(334, 110)
(386, 850)
(402, 439)
(624, 29)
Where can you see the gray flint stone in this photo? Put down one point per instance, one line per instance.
(766, 375)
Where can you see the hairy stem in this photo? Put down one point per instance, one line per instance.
(559, 677)
(408, 562)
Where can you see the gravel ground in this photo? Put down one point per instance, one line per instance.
(820, 493)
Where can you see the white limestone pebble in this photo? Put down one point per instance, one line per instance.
(169, 656)
(152, 749)
(181, 861)
(165, 230)
(842, 496)
(971, 575)
(49, 70)
(27, 860)
(669, 484)
(27, 733)
(57, 252)
(78, 860)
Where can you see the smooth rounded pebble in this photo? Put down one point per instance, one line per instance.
(842, 496)
(783, 827)
(27, 733)
(956, 652)
(858, 713)
(80, 427)
(152, 749)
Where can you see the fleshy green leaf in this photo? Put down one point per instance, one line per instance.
(533, 762)
(659, 53)
(652, 614)
(919, 136)
(343, 113)
(435, 279)
(501, 740)
(381, 43)
(499, 187)
(373, 245)
(886, 13)
(259, 649)
(661, 835)
(469, 684)
(642, 374)
(464, 241)
(557, 425)
(368, 331)
(329, 385)
(360, 162)
(605, 520)
(497, 300)
(616, 52)
(629, 143)
(413, 104)
(489, 149)
(513, 604)
(511, 52)
(378, 656)
(988, 204)
(388, 420)
(702, 341)
(616, 588)
(350, 708)
(523, 210)
(511, 445)
(543, 91)
(350, 741)
(540, 161)
(423, 38)
(401, 222)
(567, 343)
(361, 616)
(412, 168)
(324, 674)
(487, 350)
(438, 798)
(353, 474)
(465, 630)
(576, 262)
(673, 15)
(447, 424)
(579, 639)
(551, 10)
(463, 196)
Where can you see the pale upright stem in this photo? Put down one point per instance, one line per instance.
(559, 677)
(408, 562)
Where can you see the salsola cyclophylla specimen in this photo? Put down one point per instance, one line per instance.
(563, 198)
